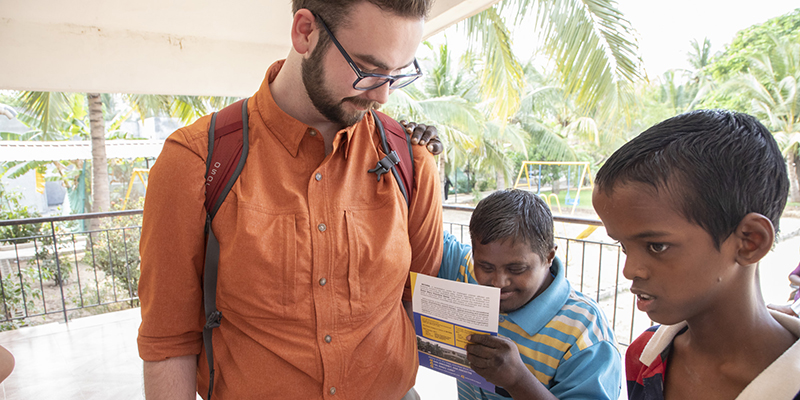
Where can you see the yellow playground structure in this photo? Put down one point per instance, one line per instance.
(141, 174)
(533, 177)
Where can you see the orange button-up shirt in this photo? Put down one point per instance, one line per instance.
(314, 260)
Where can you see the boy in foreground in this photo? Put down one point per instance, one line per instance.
(553, 342)
(695, 202)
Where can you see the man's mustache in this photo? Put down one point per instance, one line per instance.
(363, 103)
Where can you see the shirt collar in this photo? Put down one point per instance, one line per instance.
(288, 130)
(533, 316)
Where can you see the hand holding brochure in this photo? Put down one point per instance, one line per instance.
(445, 313)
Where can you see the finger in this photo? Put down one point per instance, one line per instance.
(430, 133)
(403, 122)
(480, 351)
(435, 146)
(483, 339)
(416, 133)
(419, 133)
(476, 363)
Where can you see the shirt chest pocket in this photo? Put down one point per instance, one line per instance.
(379, 258)
(258, 264)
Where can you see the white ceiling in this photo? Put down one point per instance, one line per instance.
(196, 47)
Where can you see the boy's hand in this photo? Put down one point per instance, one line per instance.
(424, 134)
(497, 359)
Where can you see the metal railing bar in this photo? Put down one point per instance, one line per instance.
(41, 283)
(77, 268)
(600, 272)
(616, 295)
(94, 268)
(127, 264)
(111, 266)
(73, 217)
(58, 270)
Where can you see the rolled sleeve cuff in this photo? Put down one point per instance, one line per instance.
(161, 348)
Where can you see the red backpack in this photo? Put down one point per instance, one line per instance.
(227, 153)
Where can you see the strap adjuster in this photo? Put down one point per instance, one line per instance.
(385, 164)
(213, 320)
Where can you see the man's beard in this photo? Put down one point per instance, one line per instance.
(321, 98)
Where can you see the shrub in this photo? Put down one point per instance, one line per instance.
(117, 250)
(10, 208)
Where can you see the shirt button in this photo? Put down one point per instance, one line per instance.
(322, 227)
(318, 176)
(328, 338)
(323, 281)
(332, 391)
(502, 318)
(312, 132)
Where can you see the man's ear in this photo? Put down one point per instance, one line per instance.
(755, 235)
(304, 31)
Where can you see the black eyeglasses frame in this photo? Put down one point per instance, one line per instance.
(361, 75)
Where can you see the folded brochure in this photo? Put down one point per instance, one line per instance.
(445, 313)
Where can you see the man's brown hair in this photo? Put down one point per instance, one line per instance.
(335, 12)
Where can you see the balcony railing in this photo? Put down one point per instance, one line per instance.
(592, 267)
(59, 270)
(65, 271)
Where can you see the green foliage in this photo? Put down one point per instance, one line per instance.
(737, 57)
(10, 208)
(754, 40)
(45, 259)
(116, 251)
(18, 294)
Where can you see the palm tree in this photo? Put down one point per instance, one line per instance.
(101, 201)
(773, 83)
(588, 43)
(59, 116)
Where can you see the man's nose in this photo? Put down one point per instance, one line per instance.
(380, 94)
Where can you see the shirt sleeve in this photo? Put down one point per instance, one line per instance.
(172, 249)
(454, 256)
(593, 373)
(425, 218)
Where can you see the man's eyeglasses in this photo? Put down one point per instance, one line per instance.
(368, 81)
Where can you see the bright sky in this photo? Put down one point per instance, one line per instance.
(666, 28)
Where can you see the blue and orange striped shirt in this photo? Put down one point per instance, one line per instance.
(563, 337)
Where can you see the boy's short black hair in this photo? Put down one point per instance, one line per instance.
(514, 214)
(716, 165)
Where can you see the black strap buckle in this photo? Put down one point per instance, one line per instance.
(385, 164)
(213, 320)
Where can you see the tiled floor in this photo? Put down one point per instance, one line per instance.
(92, 358)
(95, 358)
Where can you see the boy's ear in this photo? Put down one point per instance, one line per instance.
(551, 255)
(756, 235)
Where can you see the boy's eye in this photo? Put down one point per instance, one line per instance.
(484, 267)
(657, 247)
(622, 246)
(517, 270)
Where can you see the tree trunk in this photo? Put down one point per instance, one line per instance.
(501, 179)
(100, 188)
(792, 165)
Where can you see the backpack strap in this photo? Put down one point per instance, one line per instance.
(228, 146)
(399, 154)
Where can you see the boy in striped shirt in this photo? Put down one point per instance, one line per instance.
(553, 342)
